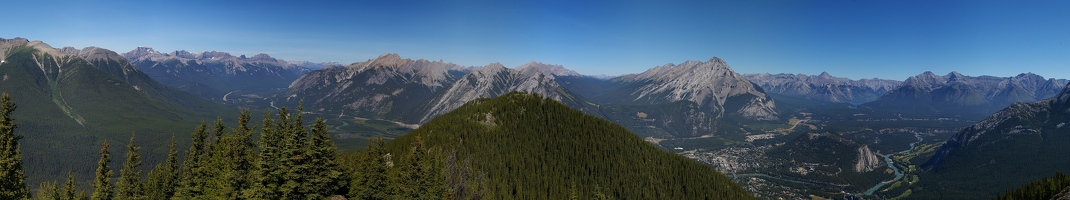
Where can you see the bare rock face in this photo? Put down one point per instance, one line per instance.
(495, 80)
(1064, 195)
(867, 161)
(710, 84)
(955, 92)
(387, 86)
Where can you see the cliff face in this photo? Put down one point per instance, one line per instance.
(867, 160)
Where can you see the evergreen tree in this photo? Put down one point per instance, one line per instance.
(70, 188)
(231, 161)
(129, 185)
(294, 162)
(326, 176)
(372, 181)
(163, 178)
(418, 177)
(47, 191)
(268, 177)
(193, 172)
(12, 176)
(102, 188)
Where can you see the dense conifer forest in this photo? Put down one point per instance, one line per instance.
(518, 146)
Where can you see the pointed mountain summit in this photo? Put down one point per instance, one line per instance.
(712, 85)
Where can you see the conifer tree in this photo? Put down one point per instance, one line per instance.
(293, 159)
(267, 179)
(129, 185)
(163, 178)
(70, 188)
(102, 188)
(372, 181)
(232, 161)
(326, 176)
(418, 177)
(47, 191)
(193, 172)
(12, 176)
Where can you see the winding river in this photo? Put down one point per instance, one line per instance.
(891, 164)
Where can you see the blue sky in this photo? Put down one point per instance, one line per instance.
(855, 39)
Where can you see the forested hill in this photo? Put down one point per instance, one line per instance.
(531, 147)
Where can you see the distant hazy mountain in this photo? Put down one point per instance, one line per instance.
(71, 100)
(532, 147)
(824, 87)
(957, 95)
(387, 87)
(214, 74)
(1019, 144)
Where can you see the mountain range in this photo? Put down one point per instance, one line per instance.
(1021, 143)
(214, 75)
(72, 99)
(824, 87)
(415, 91)
(957, 95)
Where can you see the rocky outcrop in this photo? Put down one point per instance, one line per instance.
(823, 87)
(867, 160)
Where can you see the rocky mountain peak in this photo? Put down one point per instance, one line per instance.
(708, 84)
(141, 52)
(263, 58)
(532, 68)
(97, 53)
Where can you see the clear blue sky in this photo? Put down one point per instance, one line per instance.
(856, 39)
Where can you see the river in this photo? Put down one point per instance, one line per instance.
(891, 164)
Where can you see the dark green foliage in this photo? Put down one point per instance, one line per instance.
(102, 187)
(193, 174)
(65, 114)
(129, 185)
(268, 176)
(327, 176)
(12, 176)
(533, 148)
(164, 177)
(47, 191)
(231, 161)
(1041, 189)
(419, 176)
(372, 180)
(70, 188)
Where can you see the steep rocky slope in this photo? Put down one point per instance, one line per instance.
(824, 87)
(1018, 144)
(386, 87)
(712, 85)
(495, 80)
